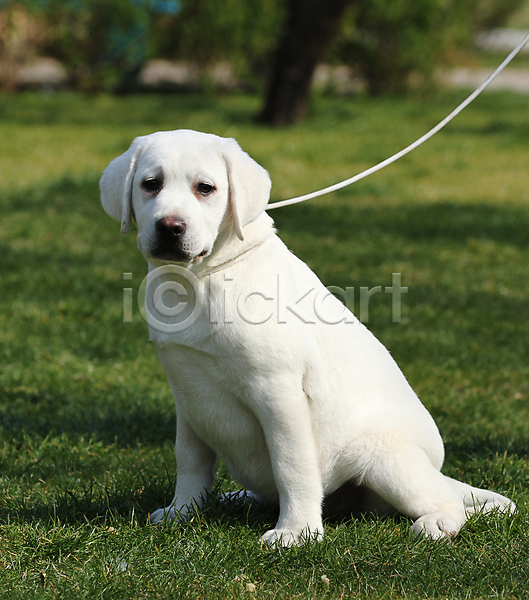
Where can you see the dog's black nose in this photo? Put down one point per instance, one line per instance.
(170, 227)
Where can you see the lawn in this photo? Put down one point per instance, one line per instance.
(86, 417)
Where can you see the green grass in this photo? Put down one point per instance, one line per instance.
(86, 417)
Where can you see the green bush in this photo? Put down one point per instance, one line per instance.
(99, 41)
(242, 32)
(493, 13)
(389, 41)
(103, 43)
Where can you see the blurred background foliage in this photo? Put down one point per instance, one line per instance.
(394, 45)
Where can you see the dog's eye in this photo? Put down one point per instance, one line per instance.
(205, 189)
(152, 185)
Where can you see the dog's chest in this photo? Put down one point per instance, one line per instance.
(211, 398)
(211, 393)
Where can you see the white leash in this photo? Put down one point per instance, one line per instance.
(408, 149)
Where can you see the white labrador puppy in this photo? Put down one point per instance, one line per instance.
(268, 370)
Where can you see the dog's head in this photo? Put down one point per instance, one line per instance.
(183, 188)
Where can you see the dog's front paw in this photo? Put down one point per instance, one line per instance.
(289, 537)
(164, 514)
(436, 526)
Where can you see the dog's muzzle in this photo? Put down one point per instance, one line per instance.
(170, 243)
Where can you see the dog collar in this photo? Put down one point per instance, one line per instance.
(232, 261)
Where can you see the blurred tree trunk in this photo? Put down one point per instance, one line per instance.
(309, 28)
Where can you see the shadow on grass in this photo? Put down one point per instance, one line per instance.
(455, 222)
(111, 423)
(97, 505)
(443, 221)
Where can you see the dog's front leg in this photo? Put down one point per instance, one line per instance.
(295, 464)
(195, 462)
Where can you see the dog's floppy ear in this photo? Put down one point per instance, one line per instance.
(116, 184)
(249, 186)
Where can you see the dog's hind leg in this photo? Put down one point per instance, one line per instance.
(404, 476)
(478, 500)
